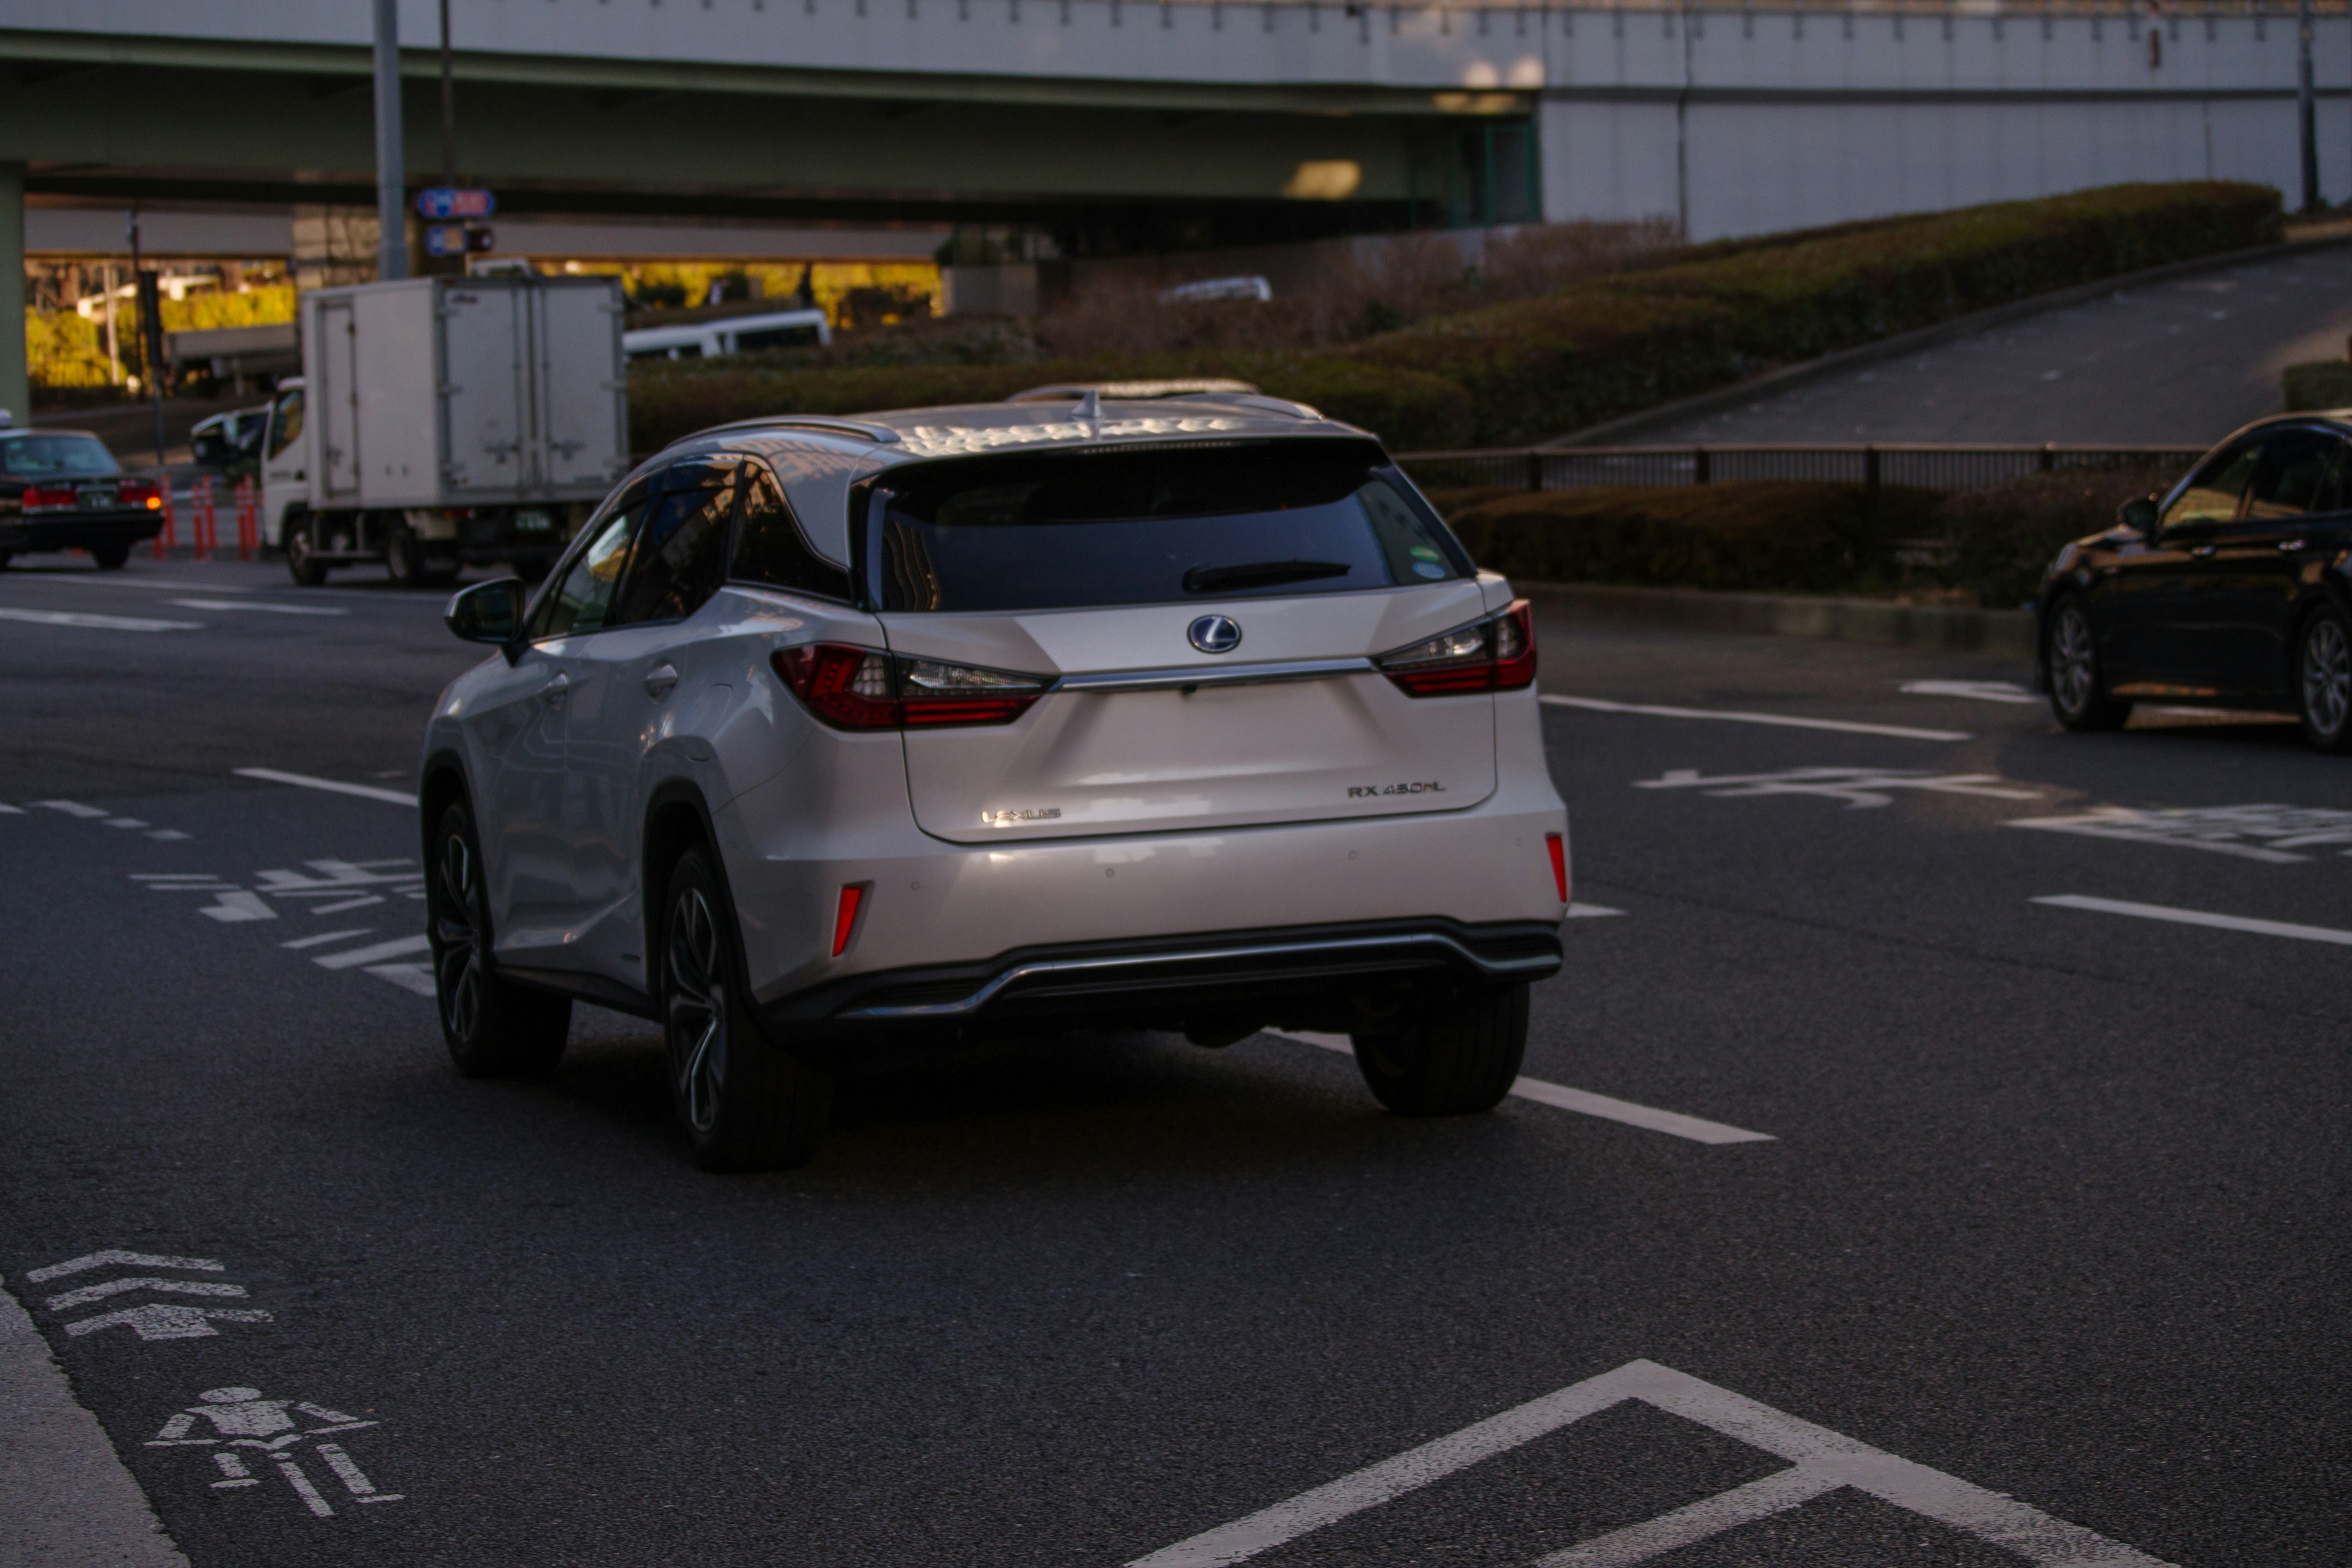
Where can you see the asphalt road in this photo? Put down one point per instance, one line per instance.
(2051, 1201)
(2182, 362)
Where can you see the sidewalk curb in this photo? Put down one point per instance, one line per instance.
(1954, 627)
(1613, 432)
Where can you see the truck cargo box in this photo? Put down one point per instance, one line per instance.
(464, 391)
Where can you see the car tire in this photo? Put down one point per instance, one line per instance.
(302, 558)
(111, 557)
(2323, 679)
(2078, 688)
(6, 556)
(743, 1103)
(494, 1027)
(1456, 1053)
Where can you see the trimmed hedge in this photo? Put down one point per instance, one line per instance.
(1766, 537)
(2002, 538)
(2328, 383)
(1592, 351)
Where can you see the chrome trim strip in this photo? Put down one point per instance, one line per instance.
(1215, 674)
(1367, 945)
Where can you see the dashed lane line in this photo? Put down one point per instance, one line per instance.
(1584, 1102)
(258, 605)
(332, 786)
(1780, 720)
(323, 938)
(2199, 918)
(96, 623)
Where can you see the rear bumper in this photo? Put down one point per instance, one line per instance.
(1300, 977)
(79, 530)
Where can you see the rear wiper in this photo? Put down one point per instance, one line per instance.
(1259, 574)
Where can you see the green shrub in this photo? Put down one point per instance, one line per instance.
(2324, 385)
(1759, 537)
(2002, 539)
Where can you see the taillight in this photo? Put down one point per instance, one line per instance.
(1497, 654)
(144, 494)
(49, 497)
(860, 689)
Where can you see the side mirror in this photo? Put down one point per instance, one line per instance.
(488, 612)
(2139, 514)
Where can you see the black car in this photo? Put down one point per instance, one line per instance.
(62, 489)
(2232, 590)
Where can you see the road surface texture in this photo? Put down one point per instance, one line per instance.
(2184, 361)
(1902, 1215)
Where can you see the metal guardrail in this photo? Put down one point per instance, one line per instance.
(1923, 465)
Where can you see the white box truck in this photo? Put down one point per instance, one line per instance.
(442, 421)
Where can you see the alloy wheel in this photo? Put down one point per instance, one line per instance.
(697, 1009)
(458, 938)
(2327, 677)
(2074, 666)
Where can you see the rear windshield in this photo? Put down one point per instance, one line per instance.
(1041, 531)
(40, 455)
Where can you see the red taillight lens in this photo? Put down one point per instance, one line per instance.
(1497, 654)
(142, 493)
(844, 917)
(859, 688)
(49, 497)
(1558, 847)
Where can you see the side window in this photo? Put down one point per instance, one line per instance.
(680, 557)
(768, 547)
(582, 601)
(2295, 471)
(2213, 495)
(287, 423)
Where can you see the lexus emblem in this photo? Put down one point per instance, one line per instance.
(1214, 633)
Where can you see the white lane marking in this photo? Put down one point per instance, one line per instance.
(72, 808)
(96, 580)
(233, 908)
(1782, 721)
(1584, 1102)
(258, 605)
(2277, 830)
(124, 822)
(348, 904)
(399, 947)
(1822, 1461)
(416, 977)
(1973, 690)
(84, 1295)
(333, 786)
(1591, 911)
(2199, 918)
(323, 938)
(166, 835)
(96, 623)
(11, 810)
(66, 1495)
(1856, 786)
(115, 1257)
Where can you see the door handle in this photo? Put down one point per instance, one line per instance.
(2293, 544)
(557, 689)
(2202, 551)
(659, 680)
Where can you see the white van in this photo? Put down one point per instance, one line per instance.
(733, 335)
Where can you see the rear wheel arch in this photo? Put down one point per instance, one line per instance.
(677, 819)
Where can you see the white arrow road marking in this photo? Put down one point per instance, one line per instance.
(1823, 1461)
(1583, 1102)
(333, 786)
(105, 1288)
(399, 947)
(98, 623)
(1782, 720)
(2199, 918)
(1974, 690)
(115, 1257)
(257, 604)
(1855, 786)
(167, 1321)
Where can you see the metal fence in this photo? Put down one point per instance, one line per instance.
(1921, 464)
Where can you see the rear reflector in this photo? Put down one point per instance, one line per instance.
(1497, 654)
(844, 918)
(1558, 847)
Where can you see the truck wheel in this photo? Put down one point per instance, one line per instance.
(494, 1029)
(111, 557)
(301, 556)
(743, 1104)
(1457, 1052)
(403, 559)
(5, 556)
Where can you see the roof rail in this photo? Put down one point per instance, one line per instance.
(1071, 391)
(872, 432)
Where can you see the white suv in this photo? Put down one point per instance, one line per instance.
(831, 737)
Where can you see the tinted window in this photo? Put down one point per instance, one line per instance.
(582, 601)
(680, 556)
(2296, 467)
(768, 547)
(39, 456)
(289, 423)
(2213, 495)
(1195, 524)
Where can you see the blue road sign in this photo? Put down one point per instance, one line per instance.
(442, 202)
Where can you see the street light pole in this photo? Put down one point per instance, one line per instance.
(448, 108)
(2306, 118)
(391, 199)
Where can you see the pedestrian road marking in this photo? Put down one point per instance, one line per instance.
(258, 605)
(1855, 786)
(1821, 1461)
(1973, 690)
(2275, 831)
(333, 786)
(96, 623)
(2199, 918)
(1782, 721)
(1584, 1102)
(352, 958)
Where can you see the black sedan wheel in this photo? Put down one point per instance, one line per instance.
(111, 557)
(742, 1103)
(2078, 692)
(2323, 680)
(494, 1027)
